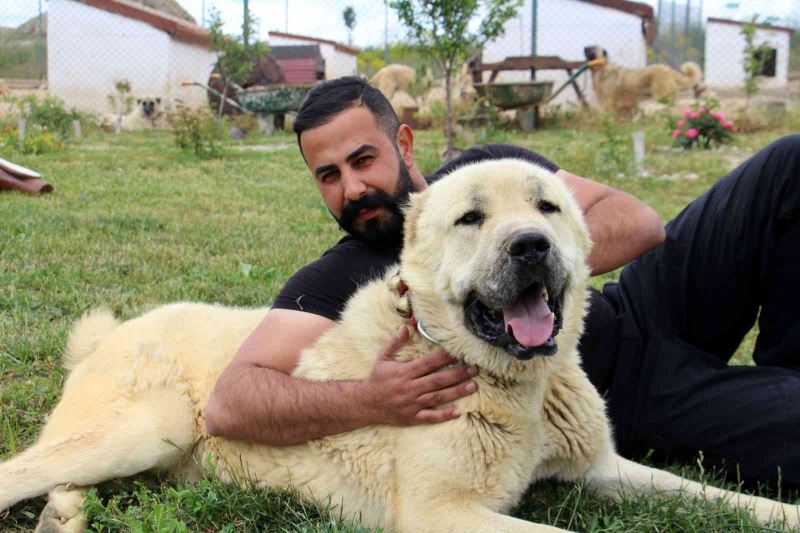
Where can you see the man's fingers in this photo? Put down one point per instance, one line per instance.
(445, 378)
(391, 348)
(435, 398)
(432, 416)
(429, 363)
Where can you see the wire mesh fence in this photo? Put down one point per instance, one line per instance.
(79, 49)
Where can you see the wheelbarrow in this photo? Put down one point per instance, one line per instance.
(268, 103)
(527, 95)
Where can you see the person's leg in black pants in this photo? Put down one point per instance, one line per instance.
(731, 254)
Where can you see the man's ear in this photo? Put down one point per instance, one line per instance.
(405, 144)
(412, 211)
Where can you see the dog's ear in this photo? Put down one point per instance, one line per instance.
(412, 211)
(158, 100)
(138, 101)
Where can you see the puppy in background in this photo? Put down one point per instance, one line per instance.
(148, 113)
(620, 89)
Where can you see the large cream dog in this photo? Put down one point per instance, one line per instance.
(493, 270)
(619, 89)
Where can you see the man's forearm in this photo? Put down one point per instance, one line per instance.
(266, 406)
(622, 228)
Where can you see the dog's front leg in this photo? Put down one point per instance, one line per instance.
(459, 513)
(616, 476)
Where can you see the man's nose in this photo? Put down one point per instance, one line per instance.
(354, 188)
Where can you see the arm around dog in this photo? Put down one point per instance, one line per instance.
(256, 399)
(622, 227)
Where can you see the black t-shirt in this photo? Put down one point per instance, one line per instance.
(324, 286)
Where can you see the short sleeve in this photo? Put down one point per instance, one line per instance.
(324, 286)
(492, 151)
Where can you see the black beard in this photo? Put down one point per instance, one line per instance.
(389, 232)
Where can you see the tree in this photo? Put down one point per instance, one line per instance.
(754, 57)
(441, 27)
(349, 15)
(235, 56)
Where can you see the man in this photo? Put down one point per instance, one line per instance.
(657, 343)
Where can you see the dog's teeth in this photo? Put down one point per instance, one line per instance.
(544, 294)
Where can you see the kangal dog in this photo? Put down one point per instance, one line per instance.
(493, 270)
(620, 89)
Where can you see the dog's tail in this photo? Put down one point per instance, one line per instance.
(93, 327)
(691, 74)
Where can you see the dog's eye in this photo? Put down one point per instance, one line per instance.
(547, 207)
(470, 218)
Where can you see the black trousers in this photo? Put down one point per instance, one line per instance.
(730, 258)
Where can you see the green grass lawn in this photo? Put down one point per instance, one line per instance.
(133, 223)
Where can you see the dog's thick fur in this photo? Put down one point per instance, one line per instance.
(134, 396)
(619, 89)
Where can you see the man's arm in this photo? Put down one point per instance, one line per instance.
(256, 399)
(622, 227)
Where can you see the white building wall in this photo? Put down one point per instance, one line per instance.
(724, 63)
(564, 28)
(189, 63)
(89, 49)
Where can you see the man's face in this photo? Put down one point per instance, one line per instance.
(361, 175)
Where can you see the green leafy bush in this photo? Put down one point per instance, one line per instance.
(49, 113)
(701, 126)
(38, 140)
(196, 130)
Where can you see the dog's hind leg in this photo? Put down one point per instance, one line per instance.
(84, 444)
(616, 476)
(63, 511)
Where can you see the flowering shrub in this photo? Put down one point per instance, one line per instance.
(701, 126)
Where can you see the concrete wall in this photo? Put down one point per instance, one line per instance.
(564, 28)
(189, 62)
(89, 49)
(724, 63)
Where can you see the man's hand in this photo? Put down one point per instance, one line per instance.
(404, 394)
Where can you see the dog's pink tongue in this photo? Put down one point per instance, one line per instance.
(529, 320)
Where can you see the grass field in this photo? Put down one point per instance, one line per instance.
(133, 223)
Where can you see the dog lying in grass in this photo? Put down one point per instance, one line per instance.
(493, 270)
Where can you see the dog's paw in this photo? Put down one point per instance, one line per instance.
(62, 514)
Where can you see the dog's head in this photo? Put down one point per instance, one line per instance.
(595, 52)
(149, 106)
(494, 257)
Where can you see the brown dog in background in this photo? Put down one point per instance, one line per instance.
(619, 88)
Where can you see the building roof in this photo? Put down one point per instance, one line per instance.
(761, 26)
(645, 11)
(179, 29)
(295, 51)
(352, 50)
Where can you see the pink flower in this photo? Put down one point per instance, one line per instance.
(691, 133)
(728, 125)
(676, 134)
(720, 116)
(686, 112)
(695, 115)
(703, 110)
(681, 123)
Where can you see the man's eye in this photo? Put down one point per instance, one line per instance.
(470, 217)
(547, 207)
(328, 178)
(363, 159)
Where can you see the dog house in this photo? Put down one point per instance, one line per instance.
(724, 60)
(92, 44)
(564, 27)
(339, 59)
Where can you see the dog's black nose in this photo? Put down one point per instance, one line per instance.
(529, 247)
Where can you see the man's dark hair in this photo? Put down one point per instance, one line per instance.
(330, 98)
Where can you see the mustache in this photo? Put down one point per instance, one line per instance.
(371, 201)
